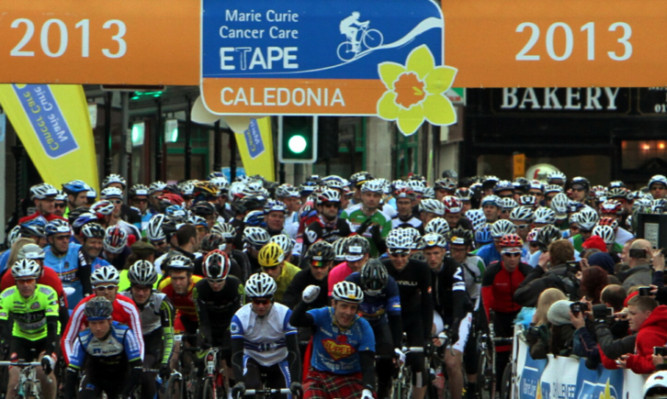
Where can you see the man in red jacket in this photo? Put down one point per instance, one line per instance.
(650, 322)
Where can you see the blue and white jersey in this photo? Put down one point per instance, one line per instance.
(263, 337)
(336, 350)
(375, 308)
(67, 268)
(120, 343)
(4, 257)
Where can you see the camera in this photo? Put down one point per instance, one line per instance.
(602, 312)
(578, 307)
(638, 253)
(644, 291)
(573, 267)
(660, 351)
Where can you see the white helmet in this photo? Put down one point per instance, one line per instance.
(375, 186)
(559, 203)
(522, 214)
(154, 230)
(285, 242)
(606, 233)
(545, 215)
(502, 227)
(433, 206)
(347, 291)
(260, 285)
(476, 217)
(26, 268)
(105, 274)
(656, 385)
(400, 239)
(587, 218)
(437, 225)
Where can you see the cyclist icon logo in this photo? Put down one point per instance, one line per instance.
(359, 39)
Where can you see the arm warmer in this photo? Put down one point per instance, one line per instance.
(293, 357)
(367, 360)
(299, 316)
(237, 358)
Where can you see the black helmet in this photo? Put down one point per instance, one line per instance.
(373, 277)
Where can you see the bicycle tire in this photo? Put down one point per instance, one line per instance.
(344, 52)
(486, 378)
(372, 38)
(208, 390)
(506, 386)
(174, 387)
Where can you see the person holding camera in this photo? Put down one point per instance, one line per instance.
(649, 320)
(554, 270)
(639, 262)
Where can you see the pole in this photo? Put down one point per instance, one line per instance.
(232, 151)
(217, 147)
(107, 133)
(157, 142)
(188, 138)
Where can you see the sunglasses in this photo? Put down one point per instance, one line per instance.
(26, 280)
(261, 301)
(511, 254)
(60, 205)
(330, 205)
(269, 267)
(105, 287)
(140, 200)
(159, 243)
(521, 226)
(216, 280)
(317, 264)
(398, 253)
(116, 202)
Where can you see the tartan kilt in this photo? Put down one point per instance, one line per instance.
(324, 385)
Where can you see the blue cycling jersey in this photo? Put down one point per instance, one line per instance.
(120, 342)
(375, 308)
(67, 268)
(4, 257)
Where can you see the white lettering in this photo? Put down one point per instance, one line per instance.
(549, 97)
(282, 97)
(612, 93)
(529, 96)
(572, 94)
(510, 99)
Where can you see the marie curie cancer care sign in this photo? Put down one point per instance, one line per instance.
(319, 57)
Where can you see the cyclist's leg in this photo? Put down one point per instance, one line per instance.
(88, 389)
(454, 358)
(278, 376)
(153, 351)
(251, 378)
(471, 359)
(19, 349)
(384, 365)
(503, 327)
(48, 382)
(413, 327)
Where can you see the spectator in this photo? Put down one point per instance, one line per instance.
(640, 272)
(539, 333)
(562, 330)
(593, 280)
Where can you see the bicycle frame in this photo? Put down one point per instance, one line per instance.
(28, 380)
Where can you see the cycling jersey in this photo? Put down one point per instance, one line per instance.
(184, 303)
(29, 315)
(154, 312)
(263, 337)
(4, 257)
(450, 298)
(303, 279)
(124, 311)
(338, 274)
(284, 279)
(336, 350)
(328, 231)
(412, 221)
(499, 285)
(375, 308)
(488, 253)
(48, 277)
(70, 272)
(216, 309)
(356, 217)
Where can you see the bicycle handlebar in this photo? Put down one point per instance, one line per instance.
(267, 391)
(19, 364)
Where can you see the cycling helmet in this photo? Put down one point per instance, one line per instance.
(105, 275)
(559, 203)
(204, 190)
(511, 241)
(611, 207)
(432, 206)
(211, 242)
(503, 185)
(581, 182)
(103, 207)
(98, 308)
(176, 213)
(452, 204)
(429, 193)
(339, 247)
(185, 188)
(61, 196)
(328, 195)
(655, 385)
(445, 183)
(522, 214)
(93, 230)
(224, 230)
(547, 235)
(657, 179)
(142, 272)
(111, 192)
(555, 176)
(501, 228)
(373, 277)
(31, 251)
(544, 215)
(659, 205)
(430, 240)
(321, 251)
(404, 192)
(254, 219)
(14, 234)
(138, 189)
(642, 205)
(528, 200)
(33, 228)
(156, 187)
(197, 221)
(483, 236)
(154, 231)
(461, 236)
(75, 186)
(270, 255)
(437, 225)
(355, 248)
(491, 200)
(552, 189)
(58, 226)
(115, 239)
(274, 206)
(400, 239)
(286, 190)
(216, 265)
(203, 208)
(360, 178)
(521, 184)
(507, 204)
(91, 195)
(26, 269)
(532, 234)
(255, 236)
(618, 193)
(373, 186)
(221, 183)
(114, 178)
(179, 262)
(608, 221)
(285, 242)
(347, 291)
(606, 233)
(260, 285)
(42, 190)
(463, 194)
(476, 218)
(536, 185)
(334, 182)
(587, 218)
(417, 186)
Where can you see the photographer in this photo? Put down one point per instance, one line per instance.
(639, 272)
(553, 271)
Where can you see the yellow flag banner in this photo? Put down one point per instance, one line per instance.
(53, 123)
(255, 143)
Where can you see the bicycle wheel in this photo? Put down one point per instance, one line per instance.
(208, 391)
(373, 38)
(506, 387)
(486, 379)
(174, 388)
(344, 51)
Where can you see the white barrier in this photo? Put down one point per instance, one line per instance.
(569, 378)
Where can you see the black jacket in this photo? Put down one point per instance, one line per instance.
(538, 280)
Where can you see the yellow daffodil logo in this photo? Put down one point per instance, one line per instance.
(416, 92)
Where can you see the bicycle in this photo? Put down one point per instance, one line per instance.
(370, 38)
(214, 379)
(402, 384)
(180, 386)
(28, 385)
(266, 392)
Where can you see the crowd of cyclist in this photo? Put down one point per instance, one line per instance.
(320, 288)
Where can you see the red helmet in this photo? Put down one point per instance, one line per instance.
(511, 241)
(452, 204)
(608, 221)
(611, 207)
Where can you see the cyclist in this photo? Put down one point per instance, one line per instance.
(342, 360)
(499, 283)
(217, 297)
(254, 238)
(29, 316)
(356, 256)
(138, 196)
(491, 252)
(43, 196)
(77, 191)
(414, 284)
(263, 341)
(272, 259)
(157, 315)
(116, 251)
(349, 26)
(91, 246)
(329, 227)
(317, 262)
(63, 256)
(107, 353)
(405, 215)
(367, 219)
(105, 283)
(179, 286)
(491, 207)
(382, 308)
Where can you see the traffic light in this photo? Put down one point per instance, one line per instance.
(297, 139)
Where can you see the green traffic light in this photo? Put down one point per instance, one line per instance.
(297, 144)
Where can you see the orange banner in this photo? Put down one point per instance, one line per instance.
(565, 43)
(97, 41)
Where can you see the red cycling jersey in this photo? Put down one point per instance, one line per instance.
(182, 302)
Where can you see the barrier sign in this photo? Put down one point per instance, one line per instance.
(307, 57)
